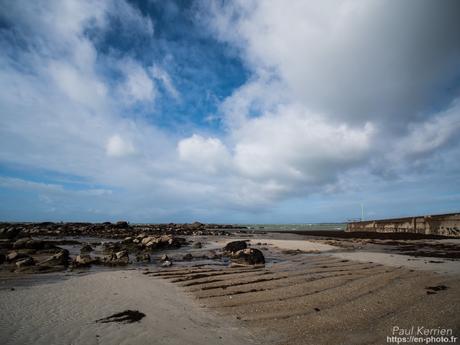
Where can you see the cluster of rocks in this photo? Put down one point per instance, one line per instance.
(239, 253)
(117, 253)
(22, 253)
(117, 230)
(19, 254)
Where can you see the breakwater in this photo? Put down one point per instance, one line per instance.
(440, 224)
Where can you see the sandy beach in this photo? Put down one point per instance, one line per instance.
(308, 290)
(65, 311)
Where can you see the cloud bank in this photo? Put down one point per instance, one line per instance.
(342, 100)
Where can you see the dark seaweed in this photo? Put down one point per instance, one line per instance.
(127, 316)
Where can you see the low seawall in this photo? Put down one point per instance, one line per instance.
(441, 224)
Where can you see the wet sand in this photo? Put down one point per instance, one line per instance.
(326, 298)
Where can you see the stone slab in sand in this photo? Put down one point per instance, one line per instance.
(65, 312)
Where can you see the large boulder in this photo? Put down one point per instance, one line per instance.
(234, 246)
(122, 224)
(249, 256)
(60, 258)
(120, 258)
(149, 241)
(83, 260)
(163, 241)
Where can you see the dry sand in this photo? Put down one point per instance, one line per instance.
(64, 312)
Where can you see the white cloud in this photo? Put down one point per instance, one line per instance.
(137, 85)
(352, 60)
(295, 145)
(118, 147)
(78, 85)
(206, 154)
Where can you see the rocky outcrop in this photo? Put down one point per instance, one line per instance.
(120, 258)
(60, 258)
(234, 246)
(118, 230)
(164, 241)
(249, 256)
(83, 261)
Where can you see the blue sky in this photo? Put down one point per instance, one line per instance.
(228, 111)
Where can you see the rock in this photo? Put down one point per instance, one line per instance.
(60, 258)
(122, 224)
(187, 257)
(86, 248)
(20, 243)
(111, 247)
(13, 256)
(164, 257)
(250, 256)
(167, 263)
(120, 258)
(235, 246)
(28, 261)
(146, 240)
(2, 258)
(9, 233)
(213, 256)
(143, 257)
(83, 260)
(28, 243)
(122, 255)
(197, 245)
(128, 240)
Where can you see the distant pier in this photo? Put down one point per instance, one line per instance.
(440, 224)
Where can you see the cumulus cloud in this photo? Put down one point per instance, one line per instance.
(350, 59)
(293, 144)
(207, 154)
(339, 85)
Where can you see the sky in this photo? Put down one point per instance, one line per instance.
(228, 111)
